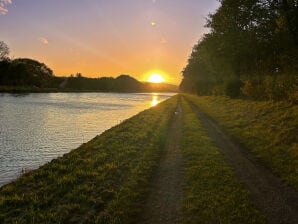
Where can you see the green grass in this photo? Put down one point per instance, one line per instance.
(212, 193)
(107, 179)
(267, 129)
(103, 181)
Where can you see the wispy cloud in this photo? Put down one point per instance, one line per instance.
(3, 6)
(163, 41)
(3, 10)
(43, 40)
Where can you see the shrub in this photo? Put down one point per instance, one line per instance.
(275, 88)
(232, 88)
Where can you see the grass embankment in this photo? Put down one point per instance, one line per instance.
(267, 129)
(103, 181)
(212, 193)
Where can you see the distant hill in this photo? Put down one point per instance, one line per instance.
(160, 87)
(123, 83)
(32, 76)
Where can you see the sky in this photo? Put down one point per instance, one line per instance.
(106, 37)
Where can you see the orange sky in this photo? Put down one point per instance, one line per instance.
(106, 37)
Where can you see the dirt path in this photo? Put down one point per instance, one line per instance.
(164, 203)
(278, 202)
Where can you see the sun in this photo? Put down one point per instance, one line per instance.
(156, 78)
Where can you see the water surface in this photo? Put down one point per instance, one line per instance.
(35, 128)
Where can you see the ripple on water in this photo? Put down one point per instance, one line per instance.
(36, 128)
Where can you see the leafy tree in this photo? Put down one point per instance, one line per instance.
(250, 42)
(25, 72)
(34, 67)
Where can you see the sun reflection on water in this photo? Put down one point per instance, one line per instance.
(36, 128)
(155, 99)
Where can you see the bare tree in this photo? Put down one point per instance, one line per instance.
(4, 51)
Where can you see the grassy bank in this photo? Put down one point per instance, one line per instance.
(103, 181)
(267, 129)
(107, 179)
(212, 193)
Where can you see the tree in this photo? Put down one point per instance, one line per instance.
(250, 41)
(79, 75)
(4, 51)
(36, 68)
(25, 72)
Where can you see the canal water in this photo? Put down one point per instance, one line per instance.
(36, 128)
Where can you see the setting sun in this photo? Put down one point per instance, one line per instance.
(156, 78)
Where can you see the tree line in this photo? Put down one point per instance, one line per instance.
(25, 74)
(251, 50)
(24, 71)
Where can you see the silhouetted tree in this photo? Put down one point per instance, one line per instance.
(79, 75)
(25, 72)
(4, 51)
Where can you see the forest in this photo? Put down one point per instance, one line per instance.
(251, 51)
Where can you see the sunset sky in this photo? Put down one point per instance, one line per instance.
(106, 37)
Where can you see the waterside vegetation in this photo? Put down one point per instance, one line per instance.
(251, 51)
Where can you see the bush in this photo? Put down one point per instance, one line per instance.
(232, 88)
(275, 88)
(252, 90)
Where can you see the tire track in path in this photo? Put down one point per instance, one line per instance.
(163, 205)
(277, 201)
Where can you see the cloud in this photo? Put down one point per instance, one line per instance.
(43, 40)
(163, 41)
(3, 6)
(3, 10)
(153, 1)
